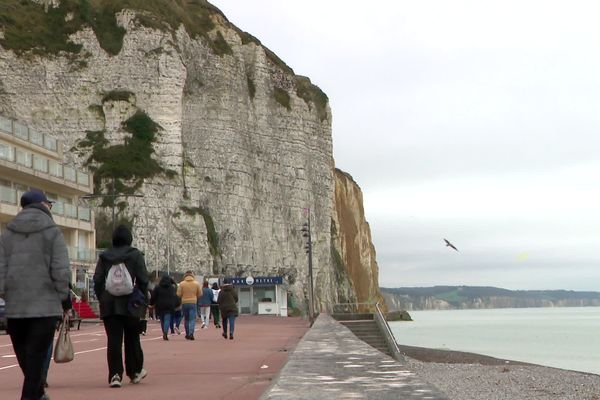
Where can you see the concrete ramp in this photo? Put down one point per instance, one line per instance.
(330, 362)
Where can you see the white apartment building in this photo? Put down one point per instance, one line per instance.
(31, 159)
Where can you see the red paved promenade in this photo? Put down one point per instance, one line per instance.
(208, 368)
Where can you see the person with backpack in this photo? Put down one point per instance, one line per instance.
(121, 284)
(214, 307)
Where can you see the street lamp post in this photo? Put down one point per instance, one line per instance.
(306, 232)
(113, 196)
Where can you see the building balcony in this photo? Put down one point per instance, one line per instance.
(82, 255)
(23, 133)
(29, 166)
(59, 209)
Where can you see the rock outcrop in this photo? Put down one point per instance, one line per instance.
(227, 146)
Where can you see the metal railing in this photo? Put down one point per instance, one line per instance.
(23, 132)
(42, 164)
(340, 309)
(385, 329)
(12, 196)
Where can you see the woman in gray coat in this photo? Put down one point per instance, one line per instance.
(34, 281)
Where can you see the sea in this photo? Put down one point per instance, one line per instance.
(567, 338)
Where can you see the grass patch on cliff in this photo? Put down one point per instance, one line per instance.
(251, 87)
(122, 168)
(211, 232)
(30, 27)
(282, 97)
(312, 95)
(118, 95)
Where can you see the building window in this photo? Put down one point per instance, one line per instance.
(21, 131)
(8, 195)
(6, 152)
(83, 178)
(50, 143)
(70, 174)
(24, 158)
(6, 124)
(55, 168)
(40, 164)
(36, 137)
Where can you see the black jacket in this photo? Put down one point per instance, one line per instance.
(164, 296)
(134, 260)
(227, 300)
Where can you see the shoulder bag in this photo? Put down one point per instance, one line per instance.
(63, 351)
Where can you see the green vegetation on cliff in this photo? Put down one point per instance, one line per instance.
(29, 26)
(213, 238)
(122, 168)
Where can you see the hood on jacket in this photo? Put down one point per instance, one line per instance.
(165, 281)
(189, 278)
(122, 236)
(33, 218)
(115, 255)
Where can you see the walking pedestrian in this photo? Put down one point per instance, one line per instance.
(34, 282)
(204, 303)
(214, 307)
(227, 300)
(189, 291)
(164, 299)
(120, 323)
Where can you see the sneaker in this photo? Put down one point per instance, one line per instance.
(115, 381)
(139, 376)
(224, 335)
(192, 337)
(230, 337)
(165, 336)
(177, 330)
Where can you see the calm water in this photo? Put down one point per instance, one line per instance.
(567, 338)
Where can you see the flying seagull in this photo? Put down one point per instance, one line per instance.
(450, 244)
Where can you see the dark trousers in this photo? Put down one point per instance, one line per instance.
(119, 328)
(216, 313)
(231, 319)
(31, 338)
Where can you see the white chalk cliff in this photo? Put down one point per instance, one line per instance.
(242, 145)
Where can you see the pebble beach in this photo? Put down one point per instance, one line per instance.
(468, 376)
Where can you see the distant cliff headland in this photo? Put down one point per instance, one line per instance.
(469, 297)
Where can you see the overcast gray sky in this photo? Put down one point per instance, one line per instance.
(475, 121)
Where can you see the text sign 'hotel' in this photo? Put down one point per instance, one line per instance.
(259, 280)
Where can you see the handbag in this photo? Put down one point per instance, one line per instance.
(136, 304)
(63, 350)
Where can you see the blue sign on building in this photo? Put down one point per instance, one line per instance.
(259, 280)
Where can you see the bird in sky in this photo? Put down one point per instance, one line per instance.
(450, 244)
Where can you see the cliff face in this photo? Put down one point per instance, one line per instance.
(352, 248)
(225, 143)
